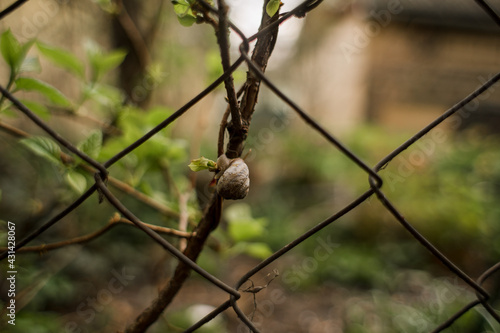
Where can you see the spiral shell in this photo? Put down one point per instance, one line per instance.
(233, 179)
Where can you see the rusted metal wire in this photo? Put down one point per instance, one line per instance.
(374, 184)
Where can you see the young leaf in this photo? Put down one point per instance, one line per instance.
(110, 61)
(108, 6)
(184, 13)
(92, 144)
(11, 49)
(272, 7)
(43, 147)
(62, 58)
(102, 63)
(76, 181)
(202, 163)
(30, 64)
(241, 225)
(106, 95)
(53, 94)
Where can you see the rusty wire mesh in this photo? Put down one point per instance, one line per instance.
(374, 184)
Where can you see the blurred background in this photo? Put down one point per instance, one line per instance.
(373, 73)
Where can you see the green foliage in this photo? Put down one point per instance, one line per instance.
(51, 93)
(44, 147)
(39, 109)
(76, 181)
(202, 163)
(245, 231)
(187, 11)
(13, 52)
(185, 14)
(92, 145)
(272, 7)
(99, 94)
(62, 58)
(108, 6)
(101, 62)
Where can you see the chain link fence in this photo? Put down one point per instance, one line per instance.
(187, 258)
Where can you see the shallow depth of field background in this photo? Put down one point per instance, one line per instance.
(372, 72)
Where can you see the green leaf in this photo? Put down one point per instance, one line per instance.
(202, 163)
(258, 250)
(44, 147)
(108, 6)
(106, 95)
(242, 226)
(76, 181)
(156, 115)
(53, 94)
(11, 49)
(184, 12)
(62, 58)
(39, 109)
(112, 60)
(100, 62)
(92, 145)
(272, 7)
(30, 64)
(13, 52)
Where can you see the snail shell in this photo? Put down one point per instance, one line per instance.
(233, 178)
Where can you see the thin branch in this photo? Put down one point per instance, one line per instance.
(135, 37)
(114, 221)
(18, 133)
(222, 37)
(124, 187)
(222, 130)
(183, 218)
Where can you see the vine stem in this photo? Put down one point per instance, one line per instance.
(212, 214)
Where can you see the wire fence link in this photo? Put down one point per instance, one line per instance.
(374, 184)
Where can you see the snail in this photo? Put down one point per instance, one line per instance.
(233, 178)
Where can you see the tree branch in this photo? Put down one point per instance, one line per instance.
(212, 214)
(222, 37)
(114, 221)
(262, 51)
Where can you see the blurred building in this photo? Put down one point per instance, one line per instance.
(399, 63)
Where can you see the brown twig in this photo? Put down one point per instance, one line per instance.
(222, 131)
(114, 221)
(222, 38)
(18, 133)
(183, 218)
